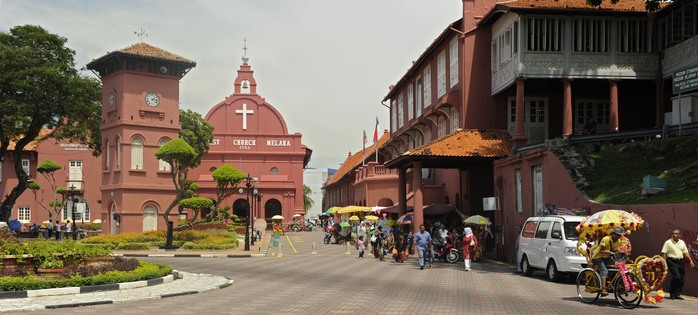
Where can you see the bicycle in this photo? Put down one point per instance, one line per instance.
(589, 284)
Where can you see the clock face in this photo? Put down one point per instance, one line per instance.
(152, 99)
(111, 99)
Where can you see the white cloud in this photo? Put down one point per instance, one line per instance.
(324, 64)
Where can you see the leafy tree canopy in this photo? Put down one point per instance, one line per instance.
(48, 166)
(199, 203)
(40, 89)
(197, 132)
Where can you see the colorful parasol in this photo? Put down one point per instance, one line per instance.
(405, 219)
(277, 217)
(601, 223)
(477, 219)
(345, 224)
(350, 209)
(354, 218)
(371, 217)
(332, 210)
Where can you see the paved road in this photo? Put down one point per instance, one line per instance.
(331, 282)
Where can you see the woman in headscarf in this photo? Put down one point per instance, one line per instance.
(469, 246)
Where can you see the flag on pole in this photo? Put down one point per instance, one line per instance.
(375, 131)
(365, 140)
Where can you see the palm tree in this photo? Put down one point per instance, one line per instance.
(307, 200)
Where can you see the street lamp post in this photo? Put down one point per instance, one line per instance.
(72, 201)
(248, 184)
(254, 197)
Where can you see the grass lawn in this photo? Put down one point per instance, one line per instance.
(616, 177)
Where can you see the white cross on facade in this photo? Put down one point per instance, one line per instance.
(244, 111)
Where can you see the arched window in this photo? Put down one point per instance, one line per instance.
(137, 153)
(118, 152)
(164, 166)
(454, 119)
(274, 170)
(107, 154)
(150, 218)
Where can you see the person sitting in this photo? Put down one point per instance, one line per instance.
(602, 256)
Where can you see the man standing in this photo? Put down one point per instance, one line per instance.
(422, 241)
(49, 227)
(675, 251)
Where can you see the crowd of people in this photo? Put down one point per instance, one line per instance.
(397, 241)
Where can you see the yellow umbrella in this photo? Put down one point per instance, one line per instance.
(350, 209)
(332, 210)
(371, 217)
(354, 218)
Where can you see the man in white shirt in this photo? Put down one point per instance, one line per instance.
(675, 251)
(68, 227)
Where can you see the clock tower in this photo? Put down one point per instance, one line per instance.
(140, 112)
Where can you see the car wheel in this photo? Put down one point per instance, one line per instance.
(553, 273)
(526, 267)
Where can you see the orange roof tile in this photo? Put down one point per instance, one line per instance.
(354, 161)
(145, 50)
(468, 143)
(43, 134)
(606, 5)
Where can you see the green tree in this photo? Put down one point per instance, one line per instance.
(40, 89)
(197, 132)
(307, 199)
(47, 169)
(181, 156)
(185, 153)
(197, 204)
(227, 178)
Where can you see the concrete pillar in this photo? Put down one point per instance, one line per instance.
(418, 196)
(613, 115)
(567, 122)
(520, 127)
(402, 192)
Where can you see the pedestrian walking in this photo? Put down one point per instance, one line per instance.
(360, 242)
(675, 251)
(470, 244)
(58, 229)
(422, 240)
(49, 227)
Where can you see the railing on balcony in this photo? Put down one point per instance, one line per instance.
(373, 169)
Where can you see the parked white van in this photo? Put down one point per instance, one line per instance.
(550, 243)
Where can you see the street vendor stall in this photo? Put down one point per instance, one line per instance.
(631, 279)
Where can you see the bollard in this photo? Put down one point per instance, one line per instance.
(346, 244)
(281, 252)
(314, 252)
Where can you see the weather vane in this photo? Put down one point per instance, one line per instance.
(140, 34)
(244, 48)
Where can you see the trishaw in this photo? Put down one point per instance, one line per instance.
(628, 280)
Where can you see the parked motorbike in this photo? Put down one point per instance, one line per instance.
(448, 253)
(328, 237)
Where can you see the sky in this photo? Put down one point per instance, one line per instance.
(325, 65)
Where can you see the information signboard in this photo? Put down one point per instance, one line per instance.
(685, 80)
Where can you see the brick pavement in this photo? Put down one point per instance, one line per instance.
(333, 283)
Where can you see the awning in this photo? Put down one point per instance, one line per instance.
(350, 209)
(394, 209)
(438, 209)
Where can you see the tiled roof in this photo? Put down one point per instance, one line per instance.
(468, 143)
(606, 5)
(43, 134)
(144, 50)
(354, 160)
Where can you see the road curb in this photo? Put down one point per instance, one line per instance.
(190, 255)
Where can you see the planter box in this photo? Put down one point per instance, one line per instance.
(52, 273)
(11, 265)
(98, 261)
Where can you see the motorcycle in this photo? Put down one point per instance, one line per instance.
(328, 237)
(448, 253)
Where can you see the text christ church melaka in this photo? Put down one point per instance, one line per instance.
(251, 135)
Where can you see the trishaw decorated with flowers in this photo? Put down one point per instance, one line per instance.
(629, 280)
